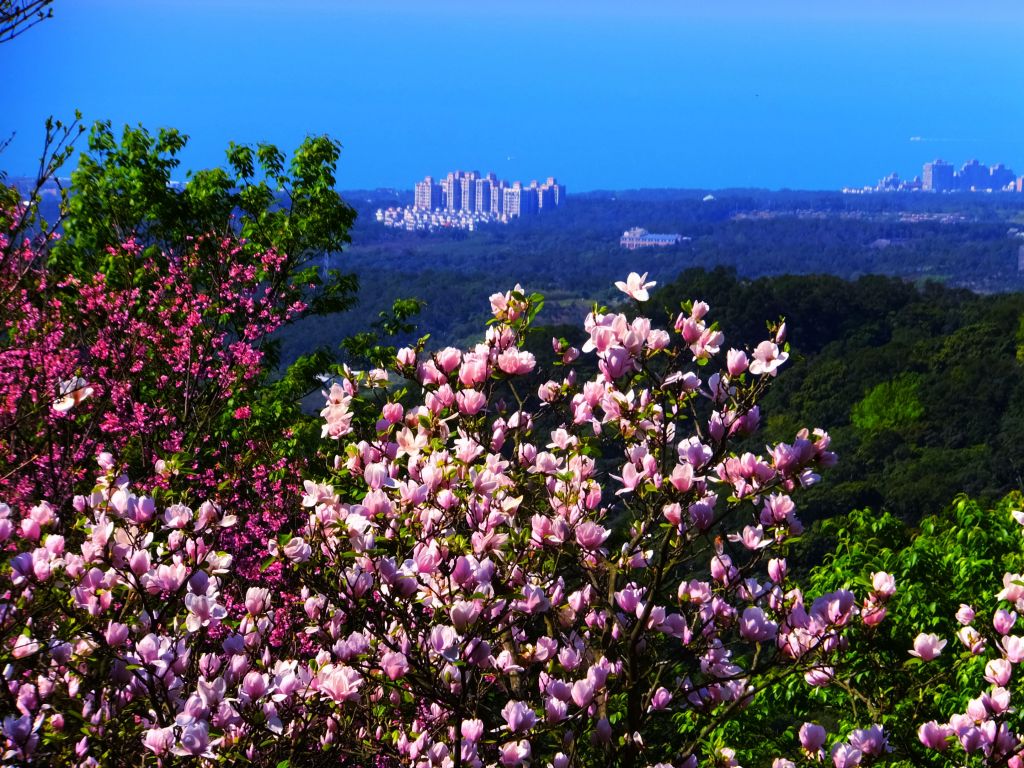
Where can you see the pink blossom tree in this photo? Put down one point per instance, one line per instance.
(590, 573)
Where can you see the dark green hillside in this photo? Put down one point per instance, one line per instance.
(921, 388)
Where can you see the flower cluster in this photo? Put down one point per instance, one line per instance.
(987, 729)
(503, 569)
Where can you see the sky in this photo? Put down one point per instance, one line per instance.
(602, 94)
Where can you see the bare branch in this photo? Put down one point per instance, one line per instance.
(18, 16)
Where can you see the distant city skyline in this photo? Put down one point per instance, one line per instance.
(605, 95)
(940, 176)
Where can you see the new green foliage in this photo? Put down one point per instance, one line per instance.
(891, 405)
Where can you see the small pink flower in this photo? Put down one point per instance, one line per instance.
(1003, 621)
(883, 583)
(870, 741)
(935, 735)
(635, 287)
(340, 683)
(965, 615)
(518, 716)
(755, 626)
(661, 699)
(846, 756)
(515, 753)
(394, 664)
(767, 359)
(159, 740)
(927, 646)
(736, 361)
(998, 671)
(812, 737)
(590, 535)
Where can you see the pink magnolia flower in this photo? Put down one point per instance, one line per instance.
(515, 753)
(472, 730)
(870, 741)
(394, 664)
(767, 359)
(884, 583)
(935, 735)
(872, 612)
(927, 646)
(635, 287)
(972, 639)
(1013, 648)
(583, 692)
(159, 740)
(340, 683)
(1003, 621)
(470, 401)
(257, 599)
(819, 677)
(661, 698)
(1013, 587)
(812, 737)
(516, 361)
(736, 361)
(755, 626)
(297, 550)
(846, 756)
(194, 740)
(518, 716)
(590, 535)
(464, 612)
(965, 614)
(998, 671)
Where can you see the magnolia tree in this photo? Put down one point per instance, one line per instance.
(501, 569)
(988, 731)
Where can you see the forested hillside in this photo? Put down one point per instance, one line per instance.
(920, 387)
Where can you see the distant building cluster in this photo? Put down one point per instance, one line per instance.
(465, 199)
(640, 238)
(940, 176)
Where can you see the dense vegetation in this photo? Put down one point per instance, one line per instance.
(580, 553)
(920, 385)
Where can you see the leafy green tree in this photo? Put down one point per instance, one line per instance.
(951, 558)
(891, 405)
(126, 189)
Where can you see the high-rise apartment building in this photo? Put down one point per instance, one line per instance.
(428, 195)
(483, 196)
(545, 197)
(938, 177)
(1000, 177)
(520, 200)
(974, 175)
(498, 197)
(557, 191)
(452, 189)
(468, 192)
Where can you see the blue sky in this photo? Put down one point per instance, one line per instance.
(601, 94)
